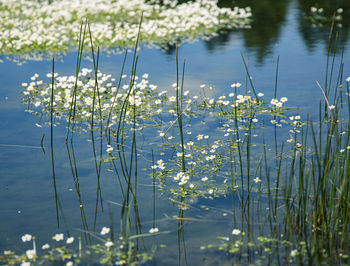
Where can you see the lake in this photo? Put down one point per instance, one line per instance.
(84, 194)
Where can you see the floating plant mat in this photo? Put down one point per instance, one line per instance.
(196, 148)
(30, 27)
(213, 125)
(211, 140)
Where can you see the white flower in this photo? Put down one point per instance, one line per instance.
(284, 99)
(178, 176)
(26, 238)
(25, 263)
(153, 230)
(279, 104)
(58, 237)
(210, 191)
(70, 240)
(211, 157)
(105, 230)
(7, 252)
(30, 253)
(172, 21)
(260, 94)
(172, 99)
(274, 101)
(294, 252)
(331, 107)
(69, 263)
(109, 149)
(255, 120)
(153, 87)
(109, 244)
(204, 179)
(236, 85)
(257, 180)
(88, 101)
(46, 246)
(199, 137)
(348, 79)
(236, 232)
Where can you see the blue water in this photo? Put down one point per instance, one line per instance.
(26, 185)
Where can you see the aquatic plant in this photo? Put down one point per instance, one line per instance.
(229, 156)
(37, 27)
(318, 17)
(68, 251)
(284, 175)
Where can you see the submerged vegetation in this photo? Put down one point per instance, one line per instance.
(286, 176)
(157, 115)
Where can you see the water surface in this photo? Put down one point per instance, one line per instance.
(27, 197)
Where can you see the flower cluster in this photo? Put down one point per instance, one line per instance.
(27, 25)
(89, 98)
(195, 166)
(279, 103)
(66, 254)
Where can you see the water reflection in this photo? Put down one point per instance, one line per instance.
(259, 216)
(318, 33)
(269, 21)
(269, 17)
